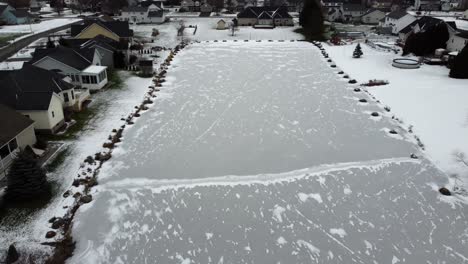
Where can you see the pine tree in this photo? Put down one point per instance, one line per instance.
(460, 66)
(357, 51)
(26, 180)
(311, 18)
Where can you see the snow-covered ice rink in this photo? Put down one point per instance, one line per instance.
(259, 153)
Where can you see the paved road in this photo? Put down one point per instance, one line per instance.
(11, 49)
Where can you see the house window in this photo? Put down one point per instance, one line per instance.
(65, 95)
(102, 76)
(13, 145)
(4, 152)
(73, 95)
(93, 79)
(85, 79)
(53, 114)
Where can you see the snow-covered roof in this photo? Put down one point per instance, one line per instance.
(94, 69)
(11, 65)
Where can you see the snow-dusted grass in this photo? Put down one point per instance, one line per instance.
(207, 31)
(425, 98)
(114, 104)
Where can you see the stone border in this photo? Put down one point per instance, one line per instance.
(87, 176)
(363, 101)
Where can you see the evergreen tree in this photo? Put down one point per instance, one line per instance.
(460, 66)
(311, 18)
(26, 180)
(357, 51)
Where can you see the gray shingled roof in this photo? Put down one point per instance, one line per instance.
(13, 123)
(397, 14)
(79, 59)
(30, 88)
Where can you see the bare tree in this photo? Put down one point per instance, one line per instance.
(461, 158)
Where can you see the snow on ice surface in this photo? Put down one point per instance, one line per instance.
(204, 170)
(425, 98)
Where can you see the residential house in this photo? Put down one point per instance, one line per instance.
(457, 41)
(117, 30)
(190, 6)
(40, 95)
(221, 24)
(143, 15)
(382, 4)
(372, 16)
(270, 16)
(458, 38)
(397, 20)
(105, 46)
(16, 133)
(148, 3)
(334, 14)
(35, 6)
(83, 66)
(418, 25)
(427, 5)
(12, 16)
(353, 12)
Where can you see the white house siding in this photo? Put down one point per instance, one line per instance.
(48, 121)
(465, 15)
(52, 65)
(284, 22)
(373, 18)
(141, 17)
(71, 98)
(27, 137)
(246, 21)
(137, 17)
(265, 21)
(456, 43)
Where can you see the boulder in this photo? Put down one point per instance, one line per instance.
(59, 222)
(50, 234)
(86, 199)
(445, 191)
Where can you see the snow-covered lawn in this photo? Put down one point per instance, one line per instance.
(111, 105)
(426, 98)
(207, 31)
(259, 153)
(37, 28)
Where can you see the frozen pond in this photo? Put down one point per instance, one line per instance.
(258, 153)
